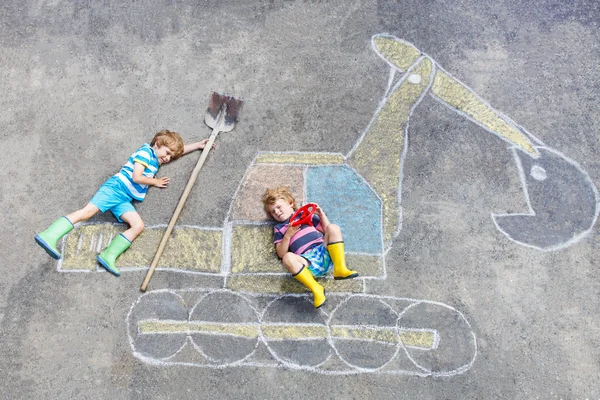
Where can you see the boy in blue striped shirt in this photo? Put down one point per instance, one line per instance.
(117, 193)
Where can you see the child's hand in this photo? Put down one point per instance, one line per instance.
(161, 182)
(320, 212)
(202, 144)
(291, 231)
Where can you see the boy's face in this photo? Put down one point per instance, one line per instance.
(281, 210)
(164, 154)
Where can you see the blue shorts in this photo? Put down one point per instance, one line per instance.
(319, 260)
(113, 196)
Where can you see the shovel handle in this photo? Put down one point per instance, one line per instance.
(182, 199)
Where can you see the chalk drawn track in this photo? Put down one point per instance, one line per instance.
(360, 334)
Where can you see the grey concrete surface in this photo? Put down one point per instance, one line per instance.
(84, 83)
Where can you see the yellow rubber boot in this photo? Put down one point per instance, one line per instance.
(306, 278)
(340, 271)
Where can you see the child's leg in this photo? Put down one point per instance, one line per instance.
(333, 234)
(298, 268)
(293, 262)
(119, 244)
(335, 245)
(136, 225)
(84, 214)
(49, 238)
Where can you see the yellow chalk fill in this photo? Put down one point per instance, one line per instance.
(378, 156)
(211, 328)
(401, 54)
(189, 248)
(300, 158)
(290, 332)
(247, 331)
(154, 326)
(421, 339)
(380, 334)
(463, 99)
(252, 250)
(85, 242)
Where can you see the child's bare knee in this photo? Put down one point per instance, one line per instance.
(288, 258)
(138, 226)
(292, 262)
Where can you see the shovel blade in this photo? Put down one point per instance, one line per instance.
(233, 107)
(222, 112)
(213, 112)
(210, 120)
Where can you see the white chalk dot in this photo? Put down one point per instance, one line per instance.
(538, 173)
(414, 79)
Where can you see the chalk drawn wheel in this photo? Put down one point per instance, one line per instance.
(295, 334)
(224, 327)
(363, 331)
(452, 347)
(147, 322)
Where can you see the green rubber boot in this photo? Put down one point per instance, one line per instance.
(50, 237)
(108, 257)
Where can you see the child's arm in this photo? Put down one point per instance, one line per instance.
(196, 146)
(284, 246)
(138, 177)
(324, 219)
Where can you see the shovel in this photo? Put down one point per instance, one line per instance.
(221, 116)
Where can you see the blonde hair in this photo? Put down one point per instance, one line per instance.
(280, 192)
(170, 139)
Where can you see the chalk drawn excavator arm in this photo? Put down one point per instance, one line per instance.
(563, 201)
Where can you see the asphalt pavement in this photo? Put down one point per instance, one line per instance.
(462, 134)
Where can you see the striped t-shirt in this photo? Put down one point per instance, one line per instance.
(305, 239)
(144, 155)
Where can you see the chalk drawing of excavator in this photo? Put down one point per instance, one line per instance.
(249, 312)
